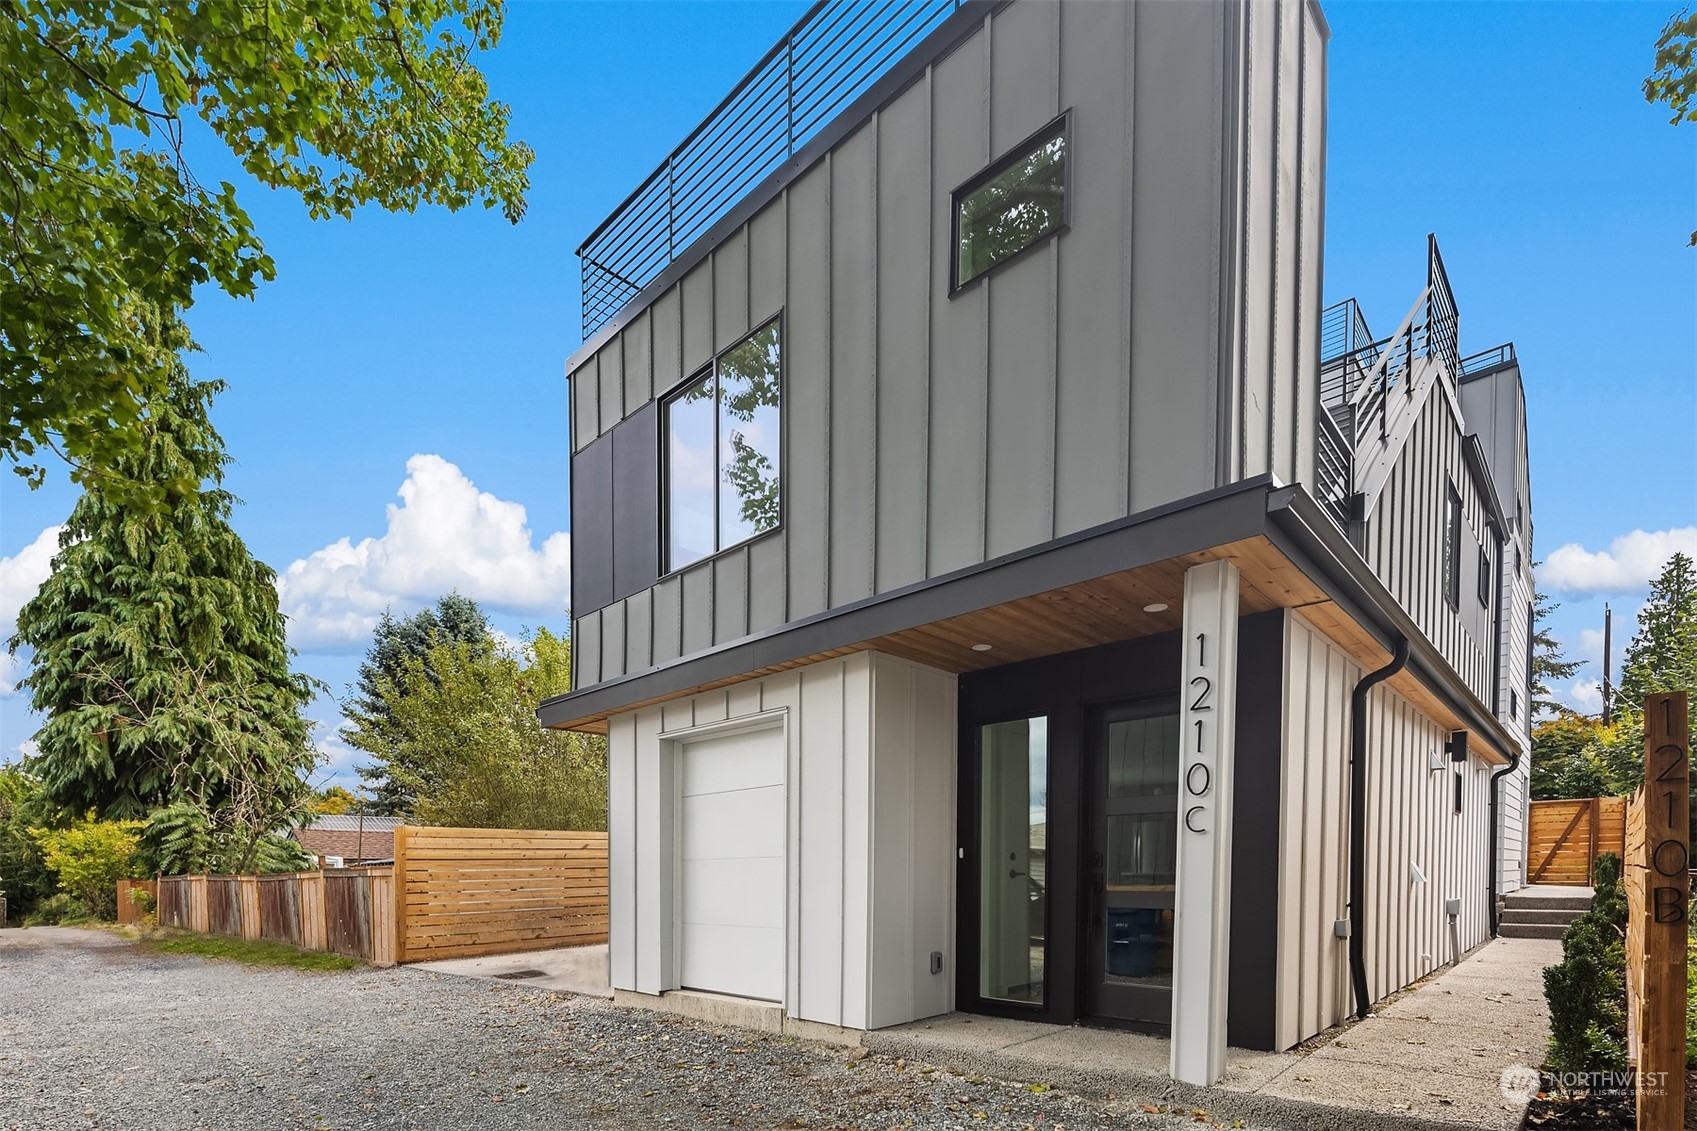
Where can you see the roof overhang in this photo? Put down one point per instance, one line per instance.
(1086, 589)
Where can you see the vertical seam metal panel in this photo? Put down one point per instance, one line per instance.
(1127, 248)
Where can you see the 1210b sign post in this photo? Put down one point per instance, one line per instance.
(1667, 845)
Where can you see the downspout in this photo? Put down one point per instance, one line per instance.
(1358, 823)
(1491, 838)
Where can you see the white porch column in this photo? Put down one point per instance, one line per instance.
(1202, 919)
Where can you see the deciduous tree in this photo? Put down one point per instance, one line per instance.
(101, 103)
(470, 745)
(1674, 81)
(397, 646)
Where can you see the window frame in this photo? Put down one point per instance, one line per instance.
(1451, 564)
(1060, 126)
(1485, 578)
(664, 480)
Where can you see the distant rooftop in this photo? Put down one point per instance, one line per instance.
(832, 55)
(351, 822)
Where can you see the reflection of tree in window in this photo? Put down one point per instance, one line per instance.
(748, 432)
(729, 420)
(1013, 210)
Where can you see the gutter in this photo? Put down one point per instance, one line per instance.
(1358, 824)
(1491, 839)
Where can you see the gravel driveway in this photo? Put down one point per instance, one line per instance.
(96, 1033)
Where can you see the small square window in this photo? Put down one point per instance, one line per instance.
(1013, 205)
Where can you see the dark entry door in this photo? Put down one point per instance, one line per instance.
(1131, 856)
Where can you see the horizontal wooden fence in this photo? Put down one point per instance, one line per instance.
(466, 892)
(1564, 838)
(452, 893)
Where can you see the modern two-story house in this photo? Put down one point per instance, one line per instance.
(1004, 587)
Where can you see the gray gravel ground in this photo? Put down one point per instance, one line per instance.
(97, 1033)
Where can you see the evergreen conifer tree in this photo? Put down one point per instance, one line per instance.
(159, 660)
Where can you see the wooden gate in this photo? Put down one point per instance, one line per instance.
(347, 913)
(1565, 837)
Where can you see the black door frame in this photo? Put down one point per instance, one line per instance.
(1065, 689)
(1036, 697)
(1093, 838)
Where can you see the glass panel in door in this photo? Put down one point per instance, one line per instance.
(1013, 786)
(1134, 861)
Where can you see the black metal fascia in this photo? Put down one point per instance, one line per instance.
(944, 38)
(1300, 528)
(1473, 452)
(1200, 522)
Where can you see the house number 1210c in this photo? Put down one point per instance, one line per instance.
(1199, 778)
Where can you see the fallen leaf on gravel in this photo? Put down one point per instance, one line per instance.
(1150, 1108)
(1037, 1087)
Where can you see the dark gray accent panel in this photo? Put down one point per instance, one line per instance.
(636, 501)
(1252, 981)
(592, 527)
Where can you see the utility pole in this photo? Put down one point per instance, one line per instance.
(1608, 689)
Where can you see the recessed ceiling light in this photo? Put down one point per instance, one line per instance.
(981, 647)
(1157, 607)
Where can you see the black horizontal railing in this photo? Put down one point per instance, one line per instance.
(1488, 359)
(832, 55)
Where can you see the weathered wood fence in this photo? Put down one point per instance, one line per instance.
(1564, 838)
(346, 910)
(464, 892)
(1658, 891)
(451, 893)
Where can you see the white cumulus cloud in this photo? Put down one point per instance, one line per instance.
(1630, 563)
(21, 576)
(1584, 696)
(445, 535)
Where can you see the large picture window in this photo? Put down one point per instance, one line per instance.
(1012, 205)
(722, 433)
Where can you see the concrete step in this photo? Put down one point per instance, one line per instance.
(1532, 930)
(1528, 899)
(1538, 915)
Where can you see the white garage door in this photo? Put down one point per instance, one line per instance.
(731, 828)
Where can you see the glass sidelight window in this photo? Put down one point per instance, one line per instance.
(722, 451)
(1013, 868)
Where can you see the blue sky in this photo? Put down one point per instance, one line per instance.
(397, 404)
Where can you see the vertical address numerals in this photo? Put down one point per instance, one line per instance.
(1199, 779)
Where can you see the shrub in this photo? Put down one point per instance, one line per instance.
(63, 909)
(89, 859)
(1586, 991)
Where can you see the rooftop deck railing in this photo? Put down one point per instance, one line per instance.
(832, 55)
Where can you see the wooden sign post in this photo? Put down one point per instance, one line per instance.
(1667, 850)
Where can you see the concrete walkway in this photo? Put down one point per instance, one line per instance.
(1433, 1058)
(570, 969)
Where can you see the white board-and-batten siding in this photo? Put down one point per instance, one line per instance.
(1410, 821)
(869, 808)
(925, 432)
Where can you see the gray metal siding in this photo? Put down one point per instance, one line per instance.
(635, 526)
(1405, 542)
(924, 431)
(592, 513)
